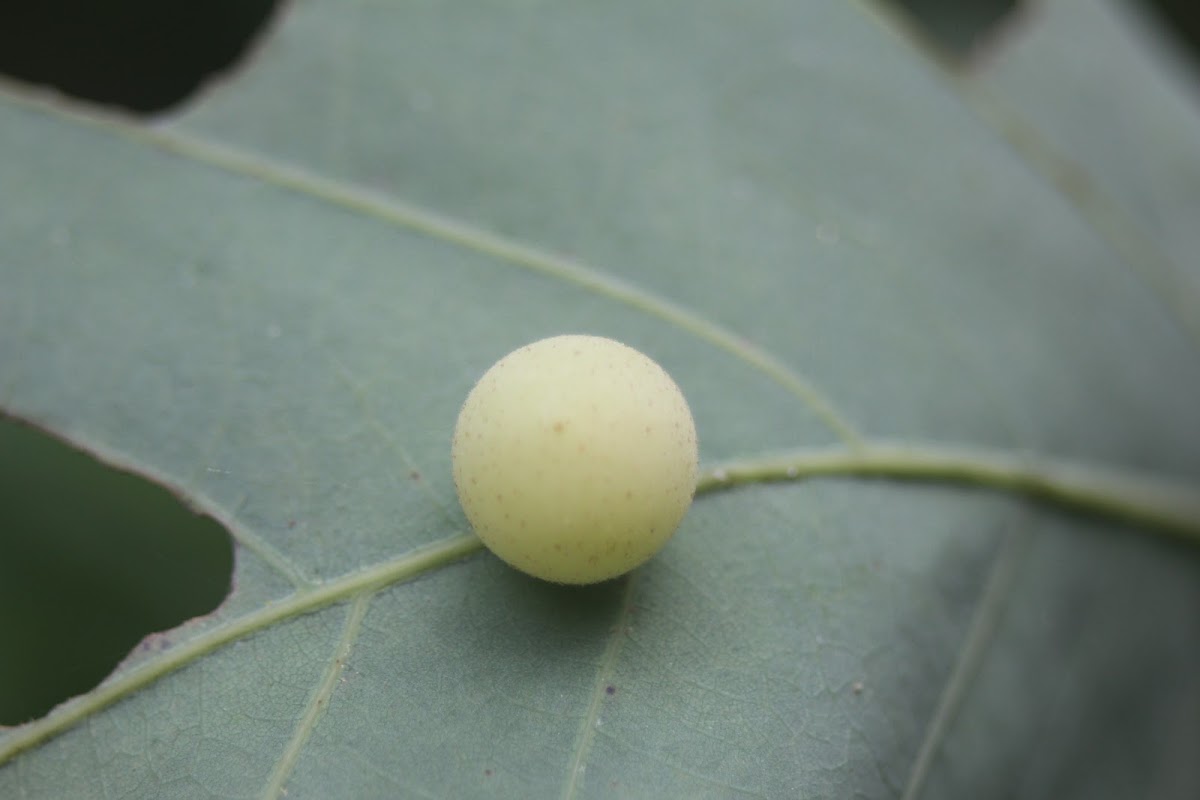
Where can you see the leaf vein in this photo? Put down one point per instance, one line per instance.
(124, 684)
(319, 701)
(587, 728)
(1115, 226)
(461, 234)
(1153, 501)
(1127, 238)
(979, 636)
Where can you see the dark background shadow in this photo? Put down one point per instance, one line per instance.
(91, 560)
(150, 57)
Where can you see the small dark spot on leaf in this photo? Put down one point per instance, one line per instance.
(291, 524)
(559, 426)
(487, 773)
(414, 475)
(610, 689)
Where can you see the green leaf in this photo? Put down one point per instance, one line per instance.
(276, 301)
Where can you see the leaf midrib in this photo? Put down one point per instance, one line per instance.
(1173, 508)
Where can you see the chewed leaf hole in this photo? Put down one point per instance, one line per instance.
(92, 560)
(958, 27)
(133, 54)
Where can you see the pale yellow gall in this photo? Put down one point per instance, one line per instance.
(575, 458)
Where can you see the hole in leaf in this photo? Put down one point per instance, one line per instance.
(958, 27)
(134, 54)
(1181, 20)
(91, 560)
(961, 27)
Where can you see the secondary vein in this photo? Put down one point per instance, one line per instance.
(319, 701)
(461, 234)
(587, 728)
(980, 634)
(1132, 243)
(125, 683)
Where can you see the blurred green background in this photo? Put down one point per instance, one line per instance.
(109, 556)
